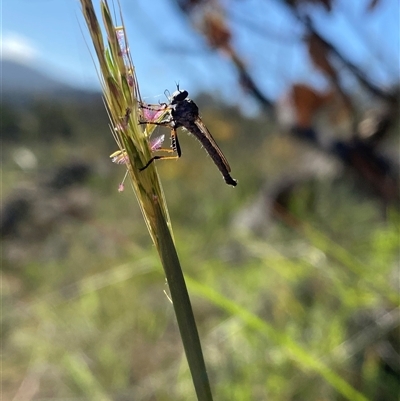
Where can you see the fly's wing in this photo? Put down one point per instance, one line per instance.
(202, 127)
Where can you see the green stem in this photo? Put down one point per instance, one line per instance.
(183, 308)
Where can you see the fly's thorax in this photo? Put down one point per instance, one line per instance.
(193, 107)
(184, 112)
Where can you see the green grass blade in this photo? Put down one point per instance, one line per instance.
(303, 359)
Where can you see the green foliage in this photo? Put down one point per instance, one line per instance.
(9, 122)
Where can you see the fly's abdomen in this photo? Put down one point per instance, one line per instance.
(212, 151)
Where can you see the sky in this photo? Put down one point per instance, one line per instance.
(51, 35)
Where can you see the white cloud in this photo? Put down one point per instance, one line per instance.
(17, 47)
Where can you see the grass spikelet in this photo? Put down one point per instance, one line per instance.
(122, 99)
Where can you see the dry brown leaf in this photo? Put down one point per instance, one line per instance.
(216, 31)
(307, 101)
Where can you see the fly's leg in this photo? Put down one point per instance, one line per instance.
(156, 112)
(175, 143)
(158, 158)
(160, 106)
(163, 122)
(175, 148)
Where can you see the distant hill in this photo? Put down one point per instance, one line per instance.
(19, 78)
(21, 83)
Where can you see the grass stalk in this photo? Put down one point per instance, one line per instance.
(122, 99)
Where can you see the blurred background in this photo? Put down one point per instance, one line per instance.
(303, 98)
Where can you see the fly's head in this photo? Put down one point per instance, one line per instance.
(178, 95)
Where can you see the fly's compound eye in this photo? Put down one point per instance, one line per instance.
(178, 96)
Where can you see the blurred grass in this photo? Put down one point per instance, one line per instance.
(284, 317)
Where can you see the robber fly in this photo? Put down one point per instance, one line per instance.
(183, 112)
